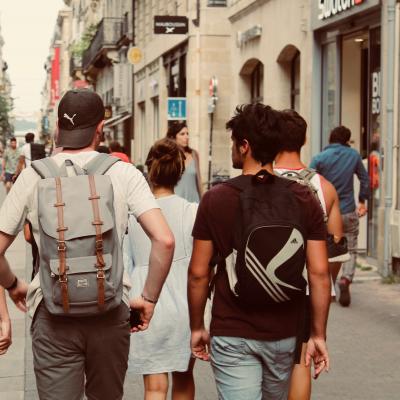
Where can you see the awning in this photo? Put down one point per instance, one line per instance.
(116, 120)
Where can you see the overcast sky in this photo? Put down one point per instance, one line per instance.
(27, 27)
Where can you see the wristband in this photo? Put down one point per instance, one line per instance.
(13, 286)
(149, 300)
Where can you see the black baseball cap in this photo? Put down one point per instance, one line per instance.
(79, 113)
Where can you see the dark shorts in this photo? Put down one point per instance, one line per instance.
(73, 355)
(8, 177)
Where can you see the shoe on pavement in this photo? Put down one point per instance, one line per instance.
(337, 252)
(344, 295)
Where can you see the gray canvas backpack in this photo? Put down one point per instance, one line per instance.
(304, 177)
(81, 265)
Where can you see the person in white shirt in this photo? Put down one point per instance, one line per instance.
(84, 354)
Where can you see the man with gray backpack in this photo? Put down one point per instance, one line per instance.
(78, 203)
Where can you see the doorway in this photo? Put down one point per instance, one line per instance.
(360, 111)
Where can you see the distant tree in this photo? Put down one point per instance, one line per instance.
(6, 129)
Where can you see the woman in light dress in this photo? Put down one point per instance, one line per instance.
(165, 347)
(189, 186)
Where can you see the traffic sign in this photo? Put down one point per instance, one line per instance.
(171, 25)
(213, 87)
(176, 108)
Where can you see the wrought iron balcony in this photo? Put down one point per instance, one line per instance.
(106, 38)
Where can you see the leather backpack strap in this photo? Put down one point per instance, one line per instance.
(62, 248)
(100, 264)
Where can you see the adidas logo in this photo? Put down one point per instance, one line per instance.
(294, 241)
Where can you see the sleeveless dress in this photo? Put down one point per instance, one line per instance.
(165, 345)
(187, 185)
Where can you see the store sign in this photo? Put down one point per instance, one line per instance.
(327, 13)
(376, 93)
(170, 25)
(176, 108)
(330, 8)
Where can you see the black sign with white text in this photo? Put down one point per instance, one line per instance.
(170, 25)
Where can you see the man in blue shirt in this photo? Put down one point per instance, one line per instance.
(338, 163)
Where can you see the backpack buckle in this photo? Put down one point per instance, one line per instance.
(61, 245)
(63, 279)
(100, 274)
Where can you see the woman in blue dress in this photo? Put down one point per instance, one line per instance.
(189, 186)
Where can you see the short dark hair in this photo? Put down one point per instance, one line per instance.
(115, 146)
(13, 139)
(293, 136)
(165, 163)
(261, 126)
(29, 137)
(103, 149)
(340, 134)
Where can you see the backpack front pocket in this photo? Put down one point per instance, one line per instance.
(82, 275)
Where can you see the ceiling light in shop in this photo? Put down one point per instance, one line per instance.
(359, 40)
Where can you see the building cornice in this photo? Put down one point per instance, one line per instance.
(243, 8)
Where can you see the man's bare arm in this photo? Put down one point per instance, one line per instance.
(5, 324)
(198, 281)
(6, 275)
(335, 222)
(320, 286)
(162, 251)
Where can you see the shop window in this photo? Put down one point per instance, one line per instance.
(156, 118)
(252, 73)
(289, 60)
(295, 82)
(330, 90)
(142, 130)
(175, 64)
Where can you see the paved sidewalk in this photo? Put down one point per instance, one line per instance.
(12, 364)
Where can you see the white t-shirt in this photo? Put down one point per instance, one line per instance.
(26, 152)
(131, 194)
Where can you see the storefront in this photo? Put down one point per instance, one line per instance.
(347, 88)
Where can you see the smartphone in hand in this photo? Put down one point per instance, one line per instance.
(135, 319)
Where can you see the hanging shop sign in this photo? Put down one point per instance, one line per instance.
(170, 25)
(328, 12)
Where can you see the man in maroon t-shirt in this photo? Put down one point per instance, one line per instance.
(252, 351)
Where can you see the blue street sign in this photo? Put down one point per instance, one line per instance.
(176, 108)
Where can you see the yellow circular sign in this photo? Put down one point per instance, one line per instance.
(135, 55)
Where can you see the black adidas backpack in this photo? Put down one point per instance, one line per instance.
(270, 242)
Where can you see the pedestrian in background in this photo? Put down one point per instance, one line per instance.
(116, 150)
(10, 163)
(254, 337)
(74, 354)
(288, 164)
(189, 186)
(165, 347)
(338, 163)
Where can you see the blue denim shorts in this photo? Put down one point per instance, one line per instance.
(246, 369)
